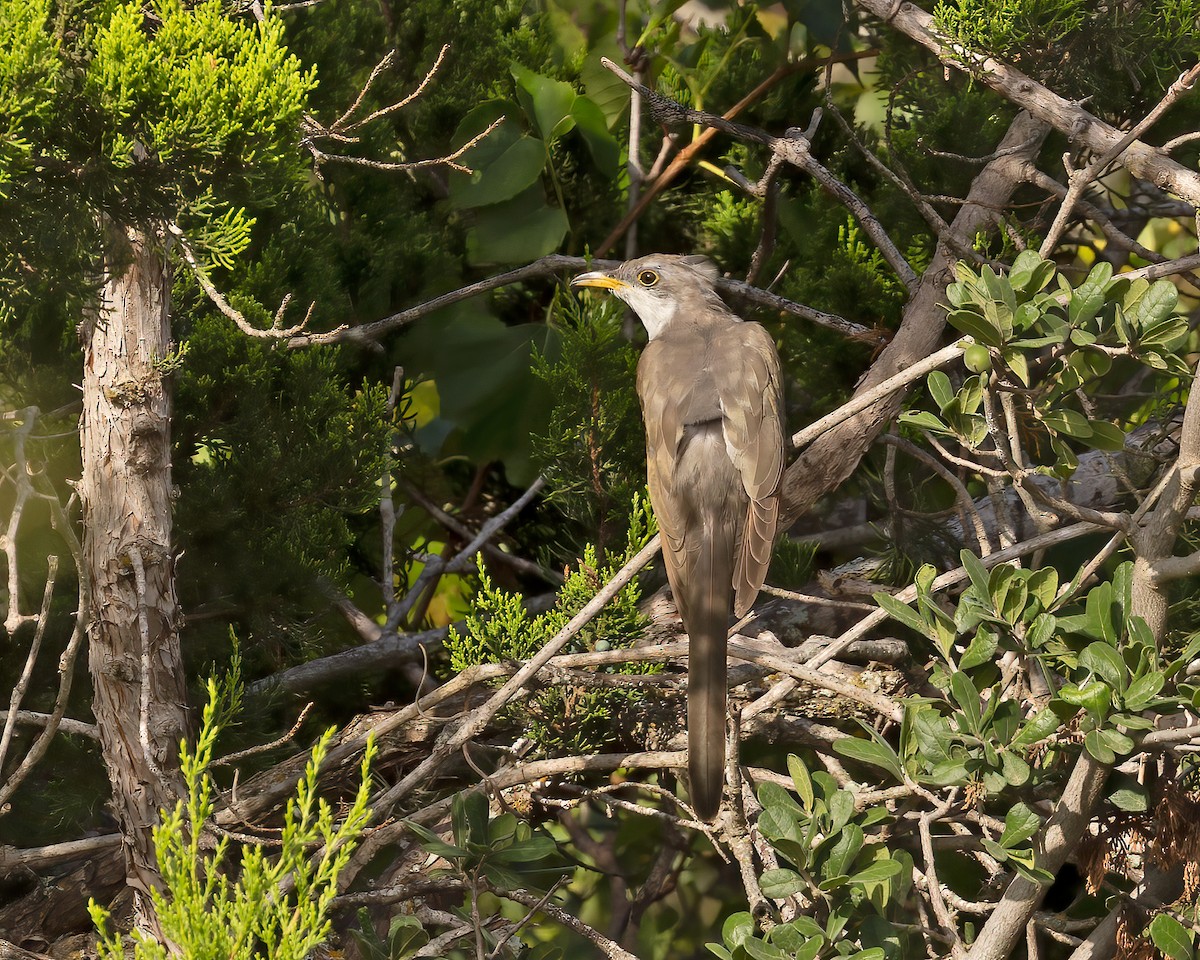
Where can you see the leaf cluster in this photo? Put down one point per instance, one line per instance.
(852, 886)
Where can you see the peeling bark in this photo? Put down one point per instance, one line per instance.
(134, 649)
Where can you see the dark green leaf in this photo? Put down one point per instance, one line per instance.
(941, 389)
(1096, 746)
(1070, 422)
(1104, 662)
(501, 176)
(1106, 436)
(974, 325)
(516, 231)
(781, 883)
(1041, 725)
(967, 698)
(1020, 823)
(876, 753)
(1133, 798)
(901, 612)
(1143, 690)
(981, 649)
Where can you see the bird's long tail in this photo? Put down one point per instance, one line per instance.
(706, 617)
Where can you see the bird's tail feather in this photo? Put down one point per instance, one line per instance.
(706, 616)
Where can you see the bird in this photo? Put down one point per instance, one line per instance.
(710, 387)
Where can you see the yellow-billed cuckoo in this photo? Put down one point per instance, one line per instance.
(710, 388)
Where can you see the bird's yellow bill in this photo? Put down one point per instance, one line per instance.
(598, 279)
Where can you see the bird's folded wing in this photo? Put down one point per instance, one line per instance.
(749, 384)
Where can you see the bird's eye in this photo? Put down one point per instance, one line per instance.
(647, 278)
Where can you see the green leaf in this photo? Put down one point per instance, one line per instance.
(761, 950)
(433, 843)
(923, 420)
(1143, 690)
(974, 325)
(1030, 273)
(875, 752)
(781, 883)
(501, 176)
(1070, 422)
(801, 780)
(977, 572)
(535, 848)
(967, 697)
(1020, 823)
(1156, 304)
(549, 102)
(841, 809)
(1104, 662)
(1088, 297)
(1043, 584)
(1096, 746)
(591, 124)
(1041, 725)
(940, 389)
(877, 872)
(901, 612)
(1106, 436)
(1171, 937)
(737, 928)
(1133, 798)
(516, 231)
(981, 650)
(1116, 741)
(1095, 696)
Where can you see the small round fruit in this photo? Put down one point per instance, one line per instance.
(977, 358)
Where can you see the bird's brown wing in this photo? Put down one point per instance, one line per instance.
(749, 385)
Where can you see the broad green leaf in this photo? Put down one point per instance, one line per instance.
(603, 146)
(974, 325)
(736, 928)
(1042, 630)
(535, 848)
(876, 872)
(1098, 748)
(810, 949)
(781, 883)
(1099, 613)
(1016, 771)
(1088, 297)
(940, 389)
(923, 420)
(977, 572)
(1104, 662)
(501, 176)
(1172, 937)
(1143, 690)
(801, 780)
(1020, 823)
(981, 650)
(901, 612)
(1132, 798)
(1030, 273)
(1043, 584)
(874, 752)
(548, 101)
(516, 231)
(1116, 741)
(841, 809)
(967, 698)
(871, 953)
(1041, 725)
(1095, 696)
(773, 795)
(1156, 305)
(1070, 422)
(1106, 436)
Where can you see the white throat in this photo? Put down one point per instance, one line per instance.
(654, 312)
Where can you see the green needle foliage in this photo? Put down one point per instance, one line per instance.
(209, 915)
(580, 719)
(592, 452)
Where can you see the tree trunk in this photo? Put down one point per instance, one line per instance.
(125, 433)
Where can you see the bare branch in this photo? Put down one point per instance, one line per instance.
(1141, 159)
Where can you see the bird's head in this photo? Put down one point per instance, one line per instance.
(657, 286)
